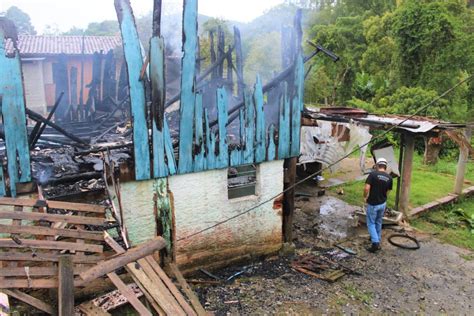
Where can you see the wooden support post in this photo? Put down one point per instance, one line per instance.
(399, 179)
(66, 286)
(289, 199)
(462, 162)
(406, 173)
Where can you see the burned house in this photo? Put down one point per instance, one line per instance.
(205, 168)
(85, 68)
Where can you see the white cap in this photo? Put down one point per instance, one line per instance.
(382, 161)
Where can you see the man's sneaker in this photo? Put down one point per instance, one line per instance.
(374, 247)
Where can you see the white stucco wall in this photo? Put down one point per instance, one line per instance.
(199, 201)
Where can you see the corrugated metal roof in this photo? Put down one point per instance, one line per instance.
(69, 45)
(415, 124)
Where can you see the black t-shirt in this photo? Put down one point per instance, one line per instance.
(380, 182)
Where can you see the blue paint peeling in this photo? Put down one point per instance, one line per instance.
(14, 119)
(188, 79)
(260, 122)
(134, 61)
(223, 158)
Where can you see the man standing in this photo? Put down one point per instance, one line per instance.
(377, 186)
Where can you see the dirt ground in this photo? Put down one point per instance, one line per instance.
(437, 278)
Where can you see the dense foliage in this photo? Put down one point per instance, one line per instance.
(396, 55)
(21, 19)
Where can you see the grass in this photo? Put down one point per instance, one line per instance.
(428, 183)
(362, 296)
(448, 226)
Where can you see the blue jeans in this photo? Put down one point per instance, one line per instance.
(374, 221)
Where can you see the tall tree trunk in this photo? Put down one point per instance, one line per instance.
(433, 146)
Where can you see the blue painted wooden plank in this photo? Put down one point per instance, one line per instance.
(249, 151)
(284, 125)
(297, 106)
(260, 132)
(210, 143)
(235, 157)
(169, 148)
(271, 150)
(188, 69)
(199, 138)
(223, 157)
(295, 127)
(14, 118)
(134, 62)
(242, 133)
(160, 168)
(157, 76)
(299, 79)
(2, 183)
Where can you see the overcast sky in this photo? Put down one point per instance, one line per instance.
(68, 13)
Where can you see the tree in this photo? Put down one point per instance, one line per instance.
(21, 19)
(104, 28)
(74, 31)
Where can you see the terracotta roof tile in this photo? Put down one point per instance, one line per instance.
(70, 45)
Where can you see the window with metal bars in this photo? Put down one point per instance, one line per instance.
(242, 181)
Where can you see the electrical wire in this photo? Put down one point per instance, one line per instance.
(334, 163)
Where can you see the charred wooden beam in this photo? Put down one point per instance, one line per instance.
(40, 126)
(239, 61)
(203, 76)
(39, 118)
(233, 112)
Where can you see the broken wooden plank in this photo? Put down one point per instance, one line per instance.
(32, 283)
(129, 294)
(165, 294)
(171, 287)
(30, 300)
(153, 294)
(33, 271)
(188, 80)
(121, 260)
(15, 223)
(187, 290)
(49, 244)
(90, 309)
(46, 257)
(81, 207)
(66, 286)
(47, 231)
(70, 219)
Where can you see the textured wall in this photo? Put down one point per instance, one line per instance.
(34, 86)
(200, 200)
(137, 202)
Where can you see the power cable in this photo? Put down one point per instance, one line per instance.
(330, 165)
